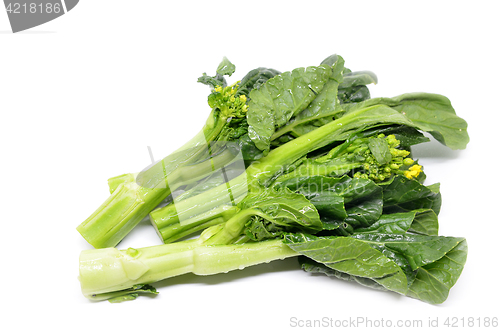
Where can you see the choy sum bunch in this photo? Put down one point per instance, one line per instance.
(301, 163)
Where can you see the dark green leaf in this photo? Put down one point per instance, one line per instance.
(434, 281)
(350, 256)
(324, 103)
(425, 222)
(353, 94)
(278, 211)
(397, 223)
(403, 194)
(259, 229)
(357, 202)
(255, 79)
(419, 250)
(280, 98)
(312, 266)
(248, 150)
(407, 136)
(343, 258)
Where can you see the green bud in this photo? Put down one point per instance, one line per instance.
(351, 148)
(358, 141)
(394, 166)
(398, 160)
(381, 177)
(408, 162)
(392, 141)
(387, 169)
(360, 149)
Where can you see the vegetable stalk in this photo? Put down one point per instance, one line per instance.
(134, 196)
(106, 273)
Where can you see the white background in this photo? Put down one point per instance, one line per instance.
(83, 96)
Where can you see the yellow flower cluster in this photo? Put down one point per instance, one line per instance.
(225, 99)
(228, 103)
(414, 171)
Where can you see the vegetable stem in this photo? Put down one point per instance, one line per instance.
(132, 200)
(109, 269)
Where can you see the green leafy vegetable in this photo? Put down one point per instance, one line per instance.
(300, 163)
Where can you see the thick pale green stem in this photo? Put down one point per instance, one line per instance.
(227, 194)
(119, 214)
(114, 182)
(134, 196)
(110, 270)
(172, 232)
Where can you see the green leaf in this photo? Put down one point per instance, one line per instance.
(248, 150)
(325, 103)
(380, 150)
(357, 202)
(403, 194)
(217, 80)
(425, 222)
(280, 98)
(419, 250)
(278, 211)
(407, 136)
(358, 78)
(350, 256)
(434, 281)
(330, 60)
(397, 223)
(254, 79)
(127, 294)
(312, 266)
(353, 94)
(432, 113)
(441, 261)
(326, 100)
(226, 68)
